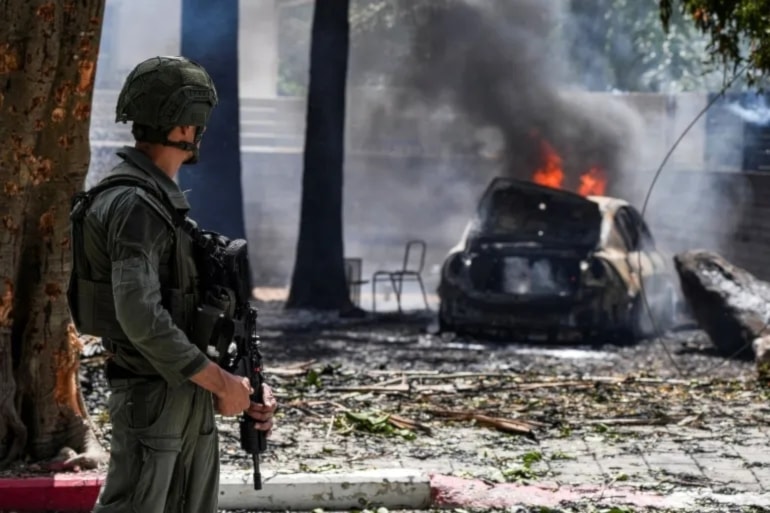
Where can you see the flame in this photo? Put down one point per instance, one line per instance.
(550, 173)
(593, 183)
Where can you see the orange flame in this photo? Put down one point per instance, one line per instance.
(593, 183)
(550, 173)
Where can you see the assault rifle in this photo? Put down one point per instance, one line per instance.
(226, 323)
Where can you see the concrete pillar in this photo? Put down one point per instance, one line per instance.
(258, 48)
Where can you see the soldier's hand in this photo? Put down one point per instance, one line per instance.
(235, 399)
(263, 413)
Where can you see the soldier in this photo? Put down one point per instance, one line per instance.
(141, 295)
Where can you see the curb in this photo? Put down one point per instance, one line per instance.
(390, 488)
(64, 492)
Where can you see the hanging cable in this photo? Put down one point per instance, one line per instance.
(647, 310)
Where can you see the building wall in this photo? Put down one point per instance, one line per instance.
(258, 48)
(135, 30)
(732, 216)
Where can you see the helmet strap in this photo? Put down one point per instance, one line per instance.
(159, 135)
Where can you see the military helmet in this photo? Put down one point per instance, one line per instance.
(163, 92)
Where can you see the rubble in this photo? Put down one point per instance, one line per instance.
(729, 303)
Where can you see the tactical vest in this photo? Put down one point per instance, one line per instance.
(91, 302)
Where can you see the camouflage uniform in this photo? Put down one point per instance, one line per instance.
(136, 285)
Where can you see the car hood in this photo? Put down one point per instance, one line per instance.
(516, 212)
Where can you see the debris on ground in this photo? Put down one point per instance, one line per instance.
(387, 390)
(729, 303)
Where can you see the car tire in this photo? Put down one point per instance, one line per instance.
(624, 330)
(444, 322)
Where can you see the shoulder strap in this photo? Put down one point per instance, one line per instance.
(82, 200)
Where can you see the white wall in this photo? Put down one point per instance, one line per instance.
(145, 28)
(258, 48)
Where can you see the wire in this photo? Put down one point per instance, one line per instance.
(658, 172)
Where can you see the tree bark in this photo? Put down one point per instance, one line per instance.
(210, 37)
(319, 280)
(48, 53)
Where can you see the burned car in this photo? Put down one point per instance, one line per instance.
(539, 262)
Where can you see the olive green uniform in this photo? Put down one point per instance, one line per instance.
(164, 447)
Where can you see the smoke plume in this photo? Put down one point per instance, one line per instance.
(499, 63)
(754, 109)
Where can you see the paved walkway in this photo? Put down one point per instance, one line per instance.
(675, 468)
(663, 457)
(683, 468)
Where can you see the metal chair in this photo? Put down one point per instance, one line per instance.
(414, 261)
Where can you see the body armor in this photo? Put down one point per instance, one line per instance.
(91, 302)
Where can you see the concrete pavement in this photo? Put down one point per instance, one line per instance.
(663, 467)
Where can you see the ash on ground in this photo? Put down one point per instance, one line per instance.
(386, 389)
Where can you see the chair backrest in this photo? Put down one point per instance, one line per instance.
(414, 256)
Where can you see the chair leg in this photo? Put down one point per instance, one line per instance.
(375, 279)
(374, 294)
(424, 295)
(397, 289)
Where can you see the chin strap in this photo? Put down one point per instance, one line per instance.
(185, 146)
(158, 135)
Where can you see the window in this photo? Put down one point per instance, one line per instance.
(645, 236)
(627, 228)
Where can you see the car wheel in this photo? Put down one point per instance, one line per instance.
(444, 321)
(624, 330)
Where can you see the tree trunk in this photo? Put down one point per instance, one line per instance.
(48, 54)
(319, 280)
(210, 37)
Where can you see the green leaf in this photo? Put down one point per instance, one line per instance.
(531, 457)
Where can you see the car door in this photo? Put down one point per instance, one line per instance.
(639, 261)
(646, 245)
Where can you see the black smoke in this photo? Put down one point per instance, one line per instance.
(500, 64)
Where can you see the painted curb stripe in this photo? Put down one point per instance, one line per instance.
(455, 492)
(64, 492)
